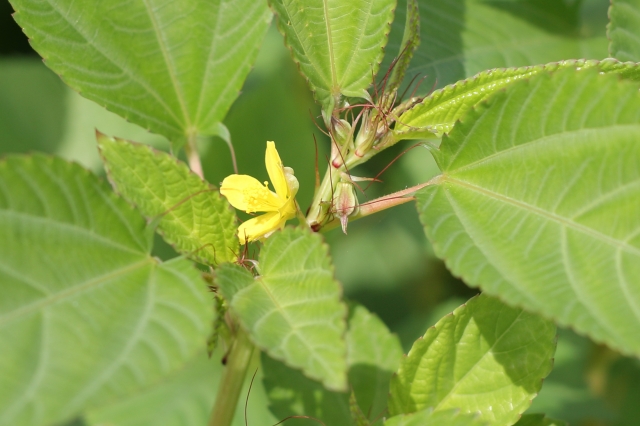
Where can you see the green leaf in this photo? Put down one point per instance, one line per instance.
(292, 309)
(192, 214)
(460, 38)
(440, 110)
(624, 30)
(429, 417)
(90, 315)
(409, 44)
(373, 355)
(174, 68)
(538, 420)
(538, 202)
(184, 399)
(337, 45)
(486, 357)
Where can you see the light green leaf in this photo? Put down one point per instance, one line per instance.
(538, 420)
(90, 315)
(486, 357)
(460, 38)
(429, 417)
(292, 309)
(624, 30)
(409, 44)
(373, 356)
(185, 399)
(440, 110)
(172, 67)
(192, 214)
(338, 45)
(538, 202)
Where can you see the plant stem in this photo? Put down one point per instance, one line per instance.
(232, 380)
(192, 156)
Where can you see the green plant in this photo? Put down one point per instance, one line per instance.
(536, 203)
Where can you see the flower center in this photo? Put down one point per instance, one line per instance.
(260, 199)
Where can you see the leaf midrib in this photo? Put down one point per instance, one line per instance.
(332, 59)
(71, 291)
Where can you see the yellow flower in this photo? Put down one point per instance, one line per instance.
(247, 193)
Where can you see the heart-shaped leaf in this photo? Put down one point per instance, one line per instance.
(172, 67)
(538, 202)
(87, 315)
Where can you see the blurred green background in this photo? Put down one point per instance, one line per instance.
(385, 262)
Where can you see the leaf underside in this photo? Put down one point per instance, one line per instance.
(538, 202)
(134, 59)
(338, 45)
(90, 315)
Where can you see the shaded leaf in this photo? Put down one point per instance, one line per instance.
(337, 45)
(538, 420)
(373, 355)
(134, 58)
(538, 202)
(460, 38)
(624, 30)
(192, 214)
(292, 309)
(89, 313)
(485, 358)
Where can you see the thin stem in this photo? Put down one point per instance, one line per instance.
(232, 380)
(192, 156)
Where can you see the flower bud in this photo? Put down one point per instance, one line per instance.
(366, 135)
(292, 181)
(346, 203)
(342, 132)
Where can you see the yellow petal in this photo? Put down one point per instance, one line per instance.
(259, 226)
(276, 171)
(247, 193)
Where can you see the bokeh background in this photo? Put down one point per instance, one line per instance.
(385, 261)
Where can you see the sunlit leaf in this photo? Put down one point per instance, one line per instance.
(624, 30)
(538, 202)
(429, 417)
(192, 214)
(90, 316)
(338, 45)
(485, 358)
(373, 356)
(440, 110)
(171, 67)
(292, 308)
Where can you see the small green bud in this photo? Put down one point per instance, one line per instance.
(346, 203)
(366, 135)
(342, 132)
